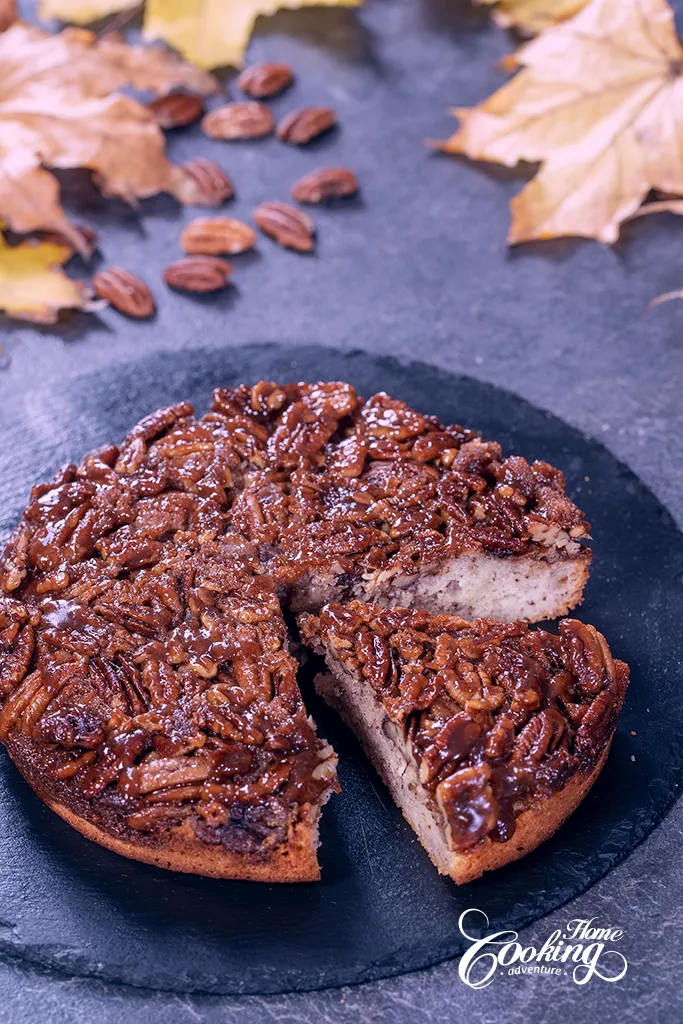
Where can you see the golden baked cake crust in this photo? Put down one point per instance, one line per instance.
(487, 734)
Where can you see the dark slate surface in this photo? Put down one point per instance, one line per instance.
(380, 908)
(417, 268)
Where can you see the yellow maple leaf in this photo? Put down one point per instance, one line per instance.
(59, 109)
(532, 16)
(82, 12)
(210, 33)
(599, 104)
(33, 285)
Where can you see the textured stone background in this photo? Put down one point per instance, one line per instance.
(419, 268)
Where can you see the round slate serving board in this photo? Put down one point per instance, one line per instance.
(381, 908)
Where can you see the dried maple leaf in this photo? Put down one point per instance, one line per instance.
(599, 104)
(84, 11)
(33, 285)
(532, 16)
(58, 109)
(210, 33)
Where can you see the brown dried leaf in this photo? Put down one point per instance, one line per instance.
(599, 104)
(59, 109)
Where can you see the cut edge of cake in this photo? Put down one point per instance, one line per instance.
(529, 588)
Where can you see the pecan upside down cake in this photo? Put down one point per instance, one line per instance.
(147, 693)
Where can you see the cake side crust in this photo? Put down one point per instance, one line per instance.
(295, 861)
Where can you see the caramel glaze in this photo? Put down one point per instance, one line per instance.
(497, 716)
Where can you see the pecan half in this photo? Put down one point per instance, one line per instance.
(263, 80)
(124, 292)
(177, 109)
(216, 235)
(305, 124)
(287, 225)
(198, 274)
(467, 799)
(238, 121)
(202, 182)
(325, 183)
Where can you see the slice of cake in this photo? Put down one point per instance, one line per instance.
(146, 690)
(374, 501)
(487, 735)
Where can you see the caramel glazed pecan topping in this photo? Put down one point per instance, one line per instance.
(365, 490)
(144, 676)
(497, 716)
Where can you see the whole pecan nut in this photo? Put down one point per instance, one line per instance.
(325, 183)
(263, 80)
(215, 235)
(238, 121)
(198, 274)
(287, 225)
(302, 125)
(124, 292)
(202, 182)
(177, 109)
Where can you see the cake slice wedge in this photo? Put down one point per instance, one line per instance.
(372, 500)
(487, 735)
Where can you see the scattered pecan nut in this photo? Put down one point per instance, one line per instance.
(287, 225)
(125, 292)
(305, 124)
(177, 109)
(198, 274)
(202, 182)
(216, 235)
(263, 80)
(325, 183)
(238, 121)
